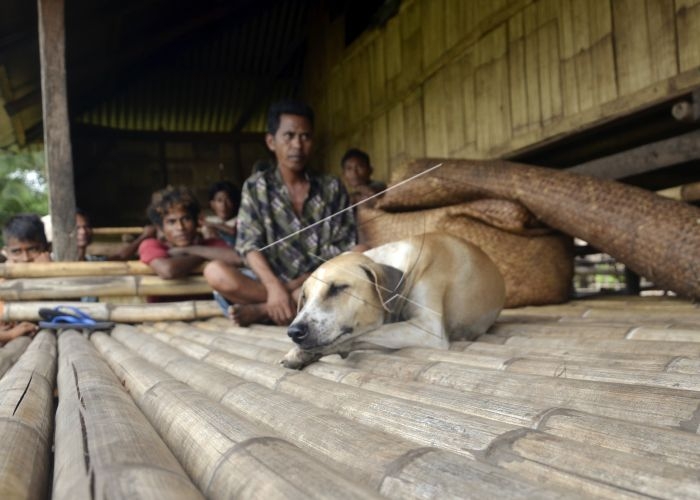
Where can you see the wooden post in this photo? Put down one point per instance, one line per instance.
(57, 145)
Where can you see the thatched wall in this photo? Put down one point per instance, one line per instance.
(450, 78)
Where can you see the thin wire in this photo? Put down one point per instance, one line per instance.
(349, 208)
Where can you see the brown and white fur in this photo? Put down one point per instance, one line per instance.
(418, 292)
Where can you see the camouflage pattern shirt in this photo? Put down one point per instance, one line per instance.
(266, 216)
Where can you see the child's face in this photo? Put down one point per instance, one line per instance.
(179, 228)
(83, 231)
(222, 206)
(23, 251)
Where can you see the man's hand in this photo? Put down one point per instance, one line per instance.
(280, 306)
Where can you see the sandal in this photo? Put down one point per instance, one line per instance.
(68, 317)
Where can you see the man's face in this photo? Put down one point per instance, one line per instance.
(179, 228)
(292, 142)
(23, 251)
(83, 231)
(356, 172)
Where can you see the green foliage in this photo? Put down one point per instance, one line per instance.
(22, 185)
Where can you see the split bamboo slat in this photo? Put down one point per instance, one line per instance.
(10, 352)
(100, 286)
(394, 466)
(26, 421)
(186, 310)
(226, 455)
(104, 446)
(631, 468)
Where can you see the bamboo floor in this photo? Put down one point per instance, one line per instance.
(595, 398)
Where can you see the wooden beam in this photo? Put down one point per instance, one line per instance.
(652, 156)
(57, 144)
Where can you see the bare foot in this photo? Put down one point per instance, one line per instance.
(247, 314)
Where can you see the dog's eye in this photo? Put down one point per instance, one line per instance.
(335, 289)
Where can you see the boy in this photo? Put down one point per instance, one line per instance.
(25, 241)
(224, 200)
(175, 212)
(357, 175)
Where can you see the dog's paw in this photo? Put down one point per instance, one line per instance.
(296, 359)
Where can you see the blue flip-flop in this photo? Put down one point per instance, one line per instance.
(68, 317)
(222, 302)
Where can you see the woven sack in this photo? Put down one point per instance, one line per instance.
(536, 266)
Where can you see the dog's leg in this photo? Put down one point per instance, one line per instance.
(297, 359)
(397, 336)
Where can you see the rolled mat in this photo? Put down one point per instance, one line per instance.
(656, 237)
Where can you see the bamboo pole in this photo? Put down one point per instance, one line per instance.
(617, 346)
(636, 403)
(117, 230)
(26, 421)
(185, 310)
(65, 269)
(10, 352)
(407, 419)
(226, 455)
(100, 286)
(119, 453)
(588, 478)
(396, 467)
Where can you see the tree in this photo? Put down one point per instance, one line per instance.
(22, 184)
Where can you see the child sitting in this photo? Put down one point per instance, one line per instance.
(224, 201)
(25, 241)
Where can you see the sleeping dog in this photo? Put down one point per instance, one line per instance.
(418, 292)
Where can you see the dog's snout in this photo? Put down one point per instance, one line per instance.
(298, 331)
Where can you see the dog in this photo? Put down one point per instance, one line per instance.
(419, 292)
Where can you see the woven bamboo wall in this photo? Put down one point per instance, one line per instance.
(484, 78)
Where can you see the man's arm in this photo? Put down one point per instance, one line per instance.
(180, 266)
(222, 253)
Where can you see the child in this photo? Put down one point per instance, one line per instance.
(25, 241)
(175, 213)
(224, 200)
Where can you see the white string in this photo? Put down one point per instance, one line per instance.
(349, 208)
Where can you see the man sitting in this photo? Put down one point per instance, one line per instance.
(290, 221)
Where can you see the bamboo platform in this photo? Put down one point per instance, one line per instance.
(596, 398)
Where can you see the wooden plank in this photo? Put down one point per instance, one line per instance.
(517, 73)
(414, 126)
(434, 20)
(57, 143)
(411, 44)
(435, 119)
(393, 57)
(550, 79)
(454, 108)
(120, 451)
(397, 137)
(652, 156)
(687, 23)
(377, 72)
(11, 351)
(380, 148)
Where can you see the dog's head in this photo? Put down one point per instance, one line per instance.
(344, 298)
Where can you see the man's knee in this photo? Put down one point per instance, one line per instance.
(219, 275)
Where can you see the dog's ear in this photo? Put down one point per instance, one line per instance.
(386, 281)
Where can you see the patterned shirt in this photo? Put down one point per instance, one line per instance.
(266, 216)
